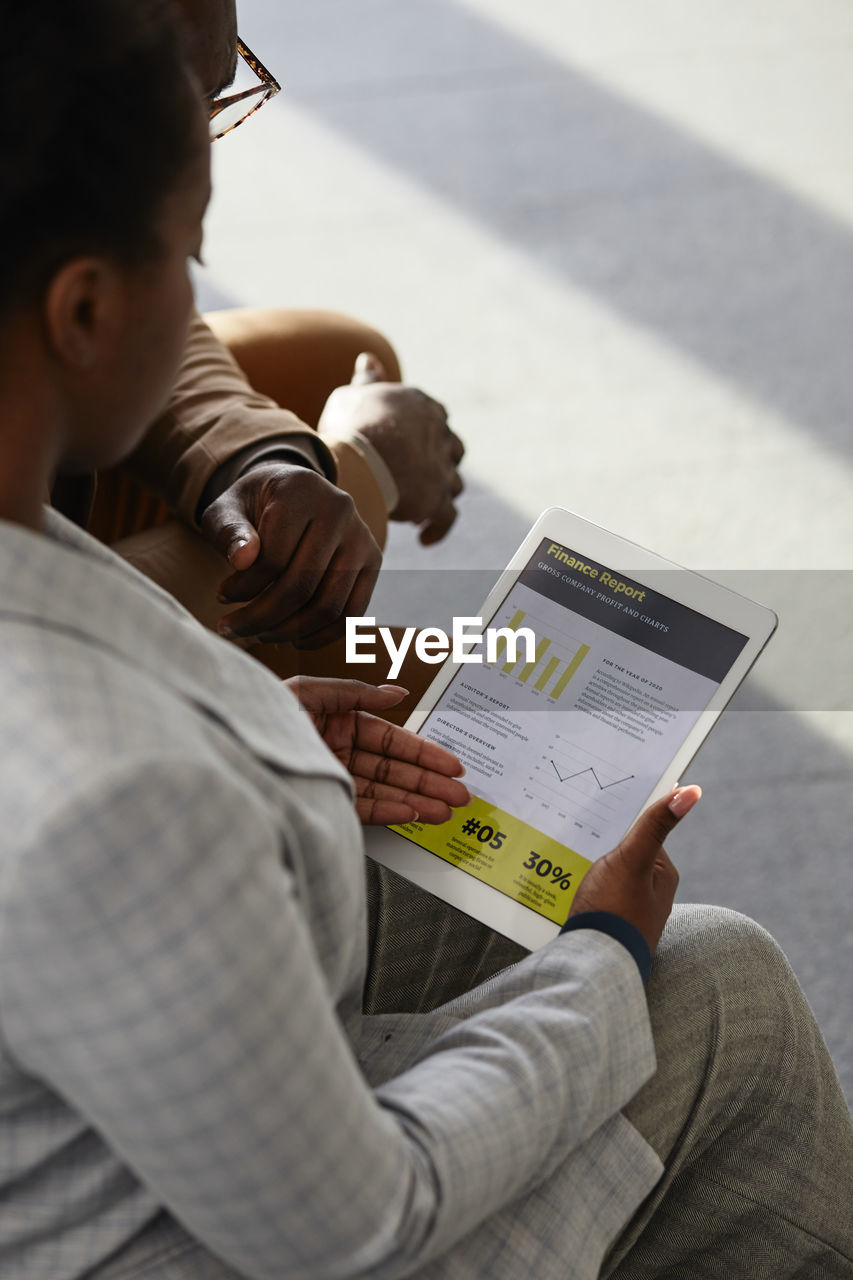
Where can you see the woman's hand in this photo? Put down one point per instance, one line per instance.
(398, 775)
(637, 880)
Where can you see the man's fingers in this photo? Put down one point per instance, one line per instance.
(321, 585)
(440, 520)
(226, 525)
(240, 588)
(368, 368)
(269, 614)
(309, 628)
(642, 847)
(457, 448)
(439, 524)
(280, 544)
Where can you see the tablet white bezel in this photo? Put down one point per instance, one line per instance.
(752, 620)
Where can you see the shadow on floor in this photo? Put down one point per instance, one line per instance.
(722, 264)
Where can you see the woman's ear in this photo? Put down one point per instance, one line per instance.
(84, 312)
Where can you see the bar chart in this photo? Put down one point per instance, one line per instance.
(558, 668)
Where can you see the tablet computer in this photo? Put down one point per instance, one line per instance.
(601, 669)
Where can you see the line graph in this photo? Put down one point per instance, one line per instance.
(602, 786)
(589, 795)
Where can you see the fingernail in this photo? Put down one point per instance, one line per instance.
(238, 543)
(225, 631)
(683, 800)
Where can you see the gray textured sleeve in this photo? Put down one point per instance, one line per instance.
(159, 974)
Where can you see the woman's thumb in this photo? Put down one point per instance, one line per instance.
(643, 843)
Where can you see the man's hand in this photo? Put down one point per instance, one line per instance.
(636, 880)
(409, 430)
(304, 557)
(398, 776)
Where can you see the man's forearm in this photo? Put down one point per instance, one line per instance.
(213, 415)
(217, 426)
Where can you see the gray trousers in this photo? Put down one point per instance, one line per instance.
(745, 1109)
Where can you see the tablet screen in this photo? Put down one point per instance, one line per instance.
(567, 725)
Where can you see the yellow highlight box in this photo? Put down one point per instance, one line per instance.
(506, 853)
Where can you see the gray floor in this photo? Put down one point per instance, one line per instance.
(617, 240)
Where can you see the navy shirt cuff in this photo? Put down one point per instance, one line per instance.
(619, 928)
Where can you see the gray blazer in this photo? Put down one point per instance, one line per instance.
(188, 1087)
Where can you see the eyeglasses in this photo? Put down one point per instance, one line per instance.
(226, 113)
